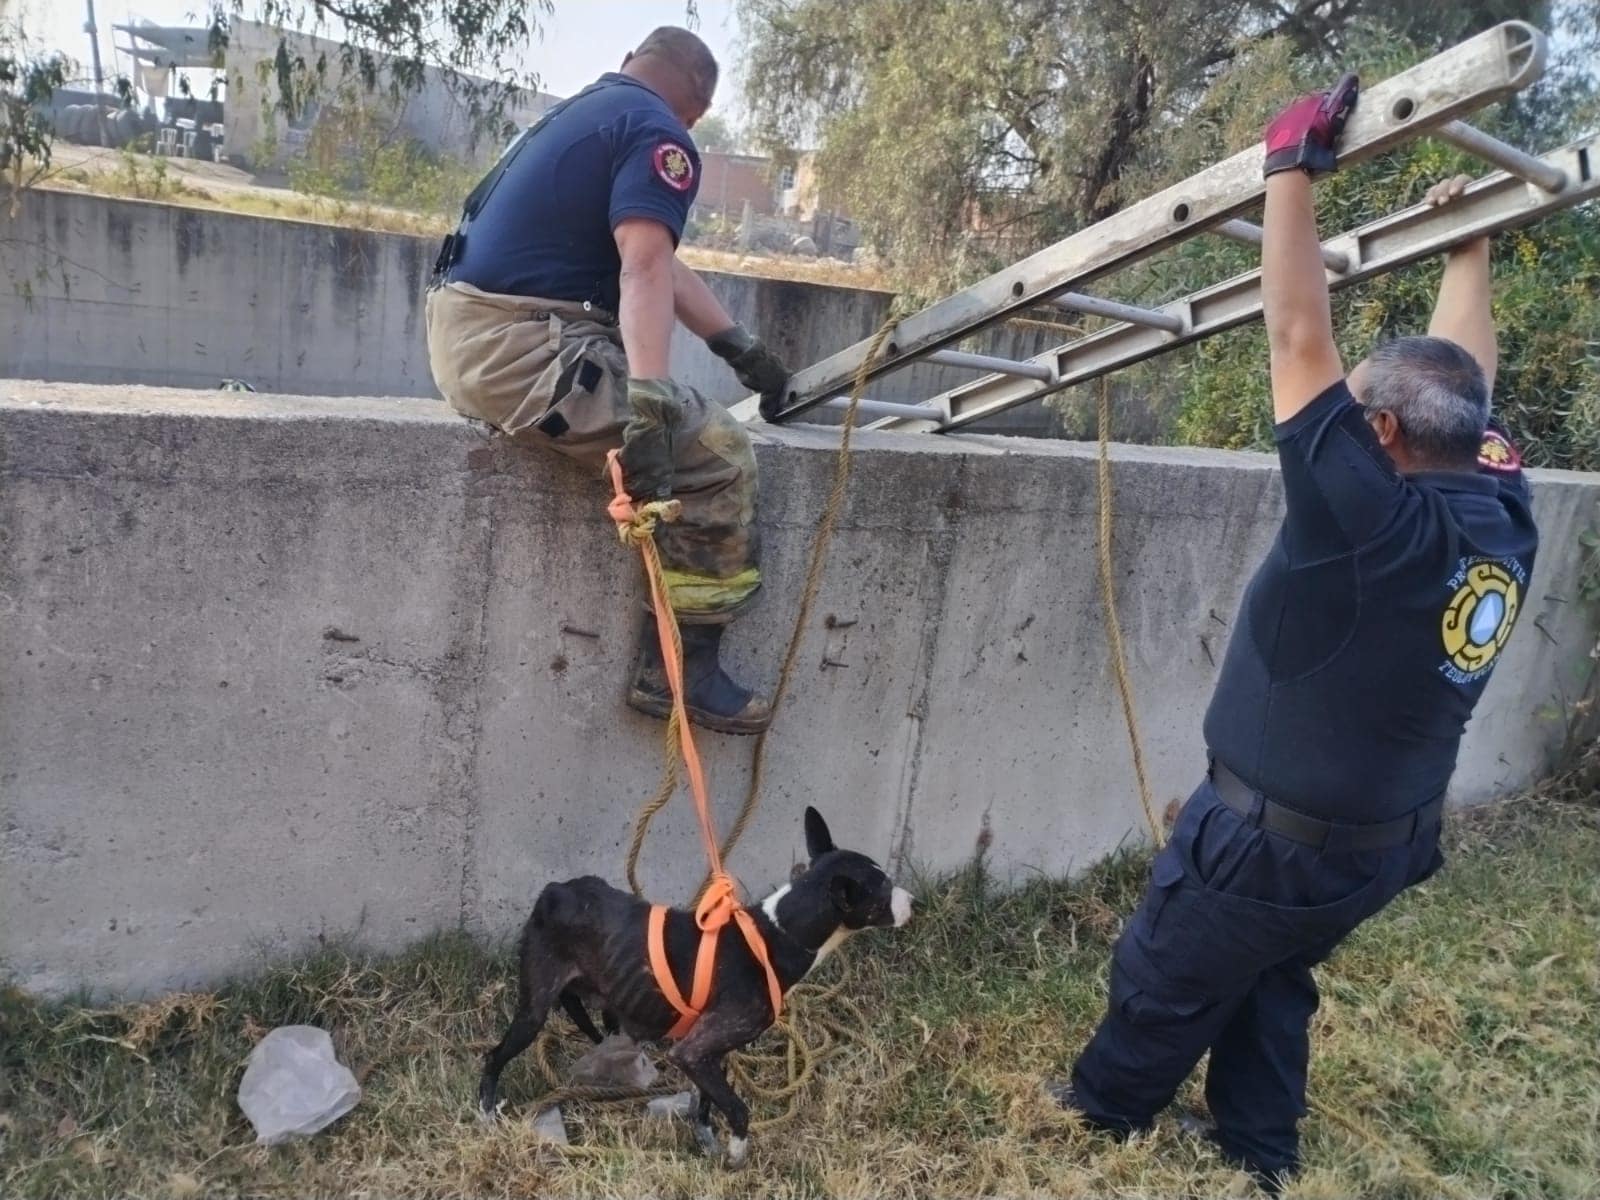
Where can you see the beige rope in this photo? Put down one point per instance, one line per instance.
(1108, 597)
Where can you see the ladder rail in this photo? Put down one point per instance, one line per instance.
(1489, 205)
(1477, 72)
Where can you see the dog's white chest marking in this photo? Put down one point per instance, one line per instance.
(770, 904)
(835, 939)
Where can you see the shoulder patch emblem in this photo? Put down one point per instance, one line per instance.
(1498, 454)
(674, 167)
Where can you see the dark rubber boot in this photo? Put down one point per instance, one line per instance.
(712, 697)
(1066, 1098)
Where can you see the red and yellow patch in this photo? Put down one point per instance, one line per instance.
(1498, 454)
(674, 167)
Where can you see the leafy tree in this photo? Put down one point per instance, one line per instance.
(27, 81)
(712, 132)
(390, 44)
(1026, 118)
(965, 135)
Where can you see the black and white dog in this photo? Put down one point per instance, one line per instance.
(587, 940)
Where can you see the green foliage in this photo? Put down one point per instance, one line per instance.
(713, 133)
(1547, 283)
(389, 46)
(27, 81)
(964, 136)
(355, 153)
(966, 133)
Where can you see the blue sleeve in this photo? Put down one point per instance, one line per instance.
(1339, 486)
(655, 173)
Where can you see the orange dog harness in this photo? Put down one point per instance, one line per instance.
(720, 903)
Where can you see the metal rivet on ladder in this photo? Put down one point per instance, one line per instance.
(1508, 158)
(1243, 231)
(1077, 302)
(886, 408)
(988, 362)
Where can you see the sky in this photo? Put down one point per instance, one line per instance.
(583, 39)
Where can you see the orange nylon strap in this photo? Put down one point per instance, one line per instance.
(720, 904)
(704, 965)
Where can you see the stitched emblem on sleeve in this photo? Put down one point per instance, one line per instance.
(674, 167)
(1498, 454)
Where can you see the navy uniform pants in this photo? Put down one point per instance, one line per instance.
(1218, 957)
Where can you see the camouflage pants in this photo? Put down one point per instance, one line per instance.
(552, 374)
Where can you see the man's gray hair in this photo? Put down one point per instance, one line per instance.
(1437, 393)
(686, 52)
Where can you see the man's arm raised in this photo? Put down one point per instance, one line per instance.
(1294, 293)
(1463, 311)
(1294, 287)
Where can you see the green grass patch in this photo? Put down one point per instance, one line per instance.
(1457, 1053)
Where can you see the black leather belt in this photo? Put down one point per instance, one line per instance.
(1268, 814)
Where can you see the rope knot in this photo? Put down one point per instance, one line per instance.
(635, 525)
(720, 902)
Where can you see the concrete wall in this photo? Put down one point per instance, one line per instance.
(436, 112)
(282, 668)
(96, 290)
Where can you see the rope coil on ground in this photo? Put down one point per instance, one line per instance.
(811, 1036)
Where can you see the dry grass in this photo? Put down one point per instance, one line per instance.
(143, 182)
(146, 177)
(1458, 1054)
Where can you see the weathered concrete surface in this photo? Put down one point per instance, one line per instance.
(281, 668)
(101, 290)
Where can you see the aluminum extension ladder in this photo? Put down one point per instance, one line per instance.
(1426, 100)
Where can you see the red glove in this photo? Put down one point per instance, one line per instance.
(1301, 137)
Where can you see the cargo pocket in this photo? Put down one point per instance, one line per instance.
(1141, 1007)
(571, 399)
(578, 391)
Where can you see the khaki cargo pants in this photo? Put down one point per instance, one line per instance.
(552, 374)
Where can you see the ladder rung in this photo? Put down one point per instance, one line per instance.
(1244, 231)
(989, 362)
(1154, 318)
(1480, 71)
(886, 408)
(1498, 202)
(1508, 158)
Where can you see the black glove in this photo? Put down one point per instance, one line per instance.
(758, 368)
(657, 409)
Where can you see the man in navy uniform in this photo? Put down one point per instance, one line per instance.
(550, 319)
(1360, 648)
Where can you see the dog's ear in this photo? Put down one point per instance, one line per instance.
(818, 840)
(845, 892)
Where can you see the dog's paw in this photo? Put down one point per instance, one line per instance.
(707, 1137)
(738, 1152)
(490, 1112)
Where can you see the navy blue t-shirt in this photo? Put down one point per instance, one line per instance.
(1368, 634)
(613, 151)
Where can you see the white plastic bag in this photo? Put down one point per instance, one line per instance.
(293, 1085)
(677, 1107)
(615, 1062)
(548, 1126)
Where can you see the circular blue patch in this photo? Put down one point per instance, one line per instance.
(1486, 618)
